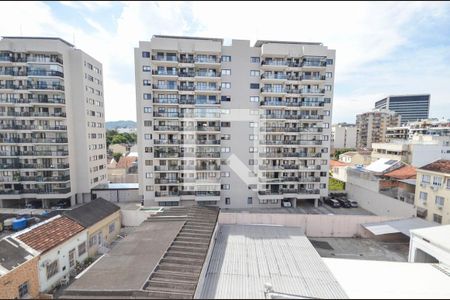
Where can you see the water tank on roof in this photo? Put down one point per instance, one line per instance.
(19, 224)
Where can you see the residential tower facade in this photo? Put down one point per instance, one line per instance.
(410, 107)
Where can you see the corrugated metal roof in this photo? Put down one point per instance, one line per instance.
(403, 225)
(245, 257)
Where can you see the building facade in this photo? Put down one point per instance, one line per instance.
(233, 125)
(409, 107)
(52, 138)
(371, 127)
(343, 136)
(435, 127)
(433, 192)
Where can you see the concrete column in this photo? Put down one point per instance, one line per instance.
(316, 202)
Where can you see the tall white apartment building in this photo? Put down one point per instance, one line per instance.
(233, 125)
(52, 134)
(343, 135)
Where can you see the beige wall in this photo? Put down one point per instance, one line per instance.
(102, 227)
(314, 225)
(441, 191)
(9, 283)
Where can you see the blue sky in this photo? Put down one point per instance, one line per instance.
(381, 48)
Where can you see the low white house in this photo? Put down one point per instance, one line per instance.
(430, 245)
(61, 243)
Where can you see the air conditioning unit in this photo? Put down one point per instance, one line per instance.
(423, 185)
(434, 188)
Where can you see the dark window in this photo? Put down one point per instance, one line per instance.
(225, 124)
(249, 200)
(226, 58)
(225, 98)
(254, 86)
(227, 201)
(329, 62)
(254, 59)
(145, 54)
(23, 290)
(146, 68)
(147, 96)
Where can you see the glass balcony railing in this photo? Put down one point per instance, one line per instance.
(165, 58)
(165, 72)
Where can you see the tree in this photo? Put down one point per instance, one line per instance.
(117, 156)
(340, 151)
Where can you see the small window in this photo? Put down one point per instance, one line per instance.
(252, 137)
(23, 290)
(81, 249)
(329, 74)
(226, 58)
(439, 201)
(225, 124)
(252, 150)
(112, 227)
(147, 123)
(448, 183)
(225, 98)
(149, 188)
(227, 201)
(426, 178)
(252, 186)
(327, 87)
(225, 186)
(423, 196)
(437, 180)
(148, 175)
(225, 137)
(254, 73)
(249, 200)
(145, 54)
(254, 98)
(254, 86)
(146, 82)
(224, 174)
(147, 109)
(147, 96)
(146, 68)
(253, 124)
(254, 59)
(437, 218)
(52, 269)
(252, 162)
(225, 149)
(226, 85)
(226, 72)
(329, 61)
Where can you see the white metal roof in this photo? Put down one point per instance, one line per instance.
(438, 235)
(404, 226)
(382, 165)
(245, 257)
(363, 279)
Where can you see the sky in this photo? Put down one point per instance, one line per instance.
(382, 48)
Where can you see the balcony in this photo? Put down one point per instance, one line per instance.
(166, 128)
(186, 88)
(164, 73)
(55, 87)
(186, 74)
(187, 60)
(166, 100)
(44, 73)
(165, 58)
(207, 142)
(207, 128)
(207, 60)
(274, 76)
(12, 73)
(31, 114)
(42, 178)
(35, 191)
(167, 194)
(167, 154)
(33, 127)
(207, 74)
(312, 91)
(34, 100)
(167, 180)
(166, 114)
(165, 87)
(208, 88)
(207, 154)
(207, 193)
(272, 90)
(281, 63)
(40, 59)
(314, 64)
(166, 142)
(207, 168)
(33, 166)
(207, 102)
(10, 86)
(34, 140)
(310, 77)
(34, 153)
(168, 168)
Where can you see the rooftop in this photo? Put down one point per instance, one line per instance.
(188, 38)
(336, 163)
(90, 213)
(441, 165)
(404, 226)
(245, 257)
(383, 165)
(37, 38)
(117, 186)
(259, 43)
(13, 254)
(390, 280)
(405, 172)
(126, 161)
(438, 235)
(49, 234)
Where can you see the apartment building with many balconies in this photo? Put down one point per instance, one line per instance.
(371, 127)
(435, 127)
(52, 137)
(233, 125)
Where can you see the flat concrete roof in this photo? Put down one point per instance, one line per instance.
(129, 264)
(245, 257)
(363, 279)
(116, 186)
(404, 226)
(259, 43)
(438, 235)
(36, 38)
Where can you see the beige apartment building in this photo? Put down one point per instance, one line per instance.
(433, 192)
(371, 127)
(233, 125)
(52, 137)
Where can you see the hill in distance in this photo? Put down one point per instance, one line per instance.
(120, 124)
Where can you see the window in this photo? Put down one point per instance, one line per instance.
(437, 180)
(226, 85)
(423, 196)
(149, 162)
(226, 58)
(148, 149)
(225, 98)
(147, 96)
(72, 258)
(227, 201)
(252, 162)
(93, 241)
(254, 73)
(252, 137)
(147, 109)
(329, 74)
(225, 186)
(252, 150)
(147, 123)
(254, 98)
(254, 86)
(439, 201)
(52, 269)
(112, 227)
(224, 174)
(225, 111)
(225, 124)
(437, 218)
(252, 186)
(23, 290)
(81, 249)
(329, 61)
(225, 137)
(146, 68)
(253, 124)
(226, 72)
(145, 54)
(149, 188)
(425, 178)
(327, 87)
(249, 200)
(254, 59)
(448, 183)
(146, 82)
(225, 149)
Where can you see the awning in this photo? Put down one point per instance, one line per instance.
(395, 226)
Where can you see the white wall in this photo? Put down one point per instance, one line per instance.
(314, 225)
(61, 253)
(417, 242)
(133, 217)
(124, 195)
(377, 203)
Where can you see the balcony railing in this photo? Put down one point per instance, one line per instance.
(272, 90)
(207, 60)
(167, 154)
(57, 87)
(274, 62)
(168, 168)
(34, 140)
(34, 100)
(314, 64)
(207, 88)
(32, 127)
(33, 166)
(50, 73)
(34, 153)
(186, 74)
(166, 114)
(165, 58)
(186, 88)
(165, 73)
(207, 168)
(35, 191)
(166, 100)
(207, 154)
(187, 60)
(167, 194)
(31, 114)
(207, 193)
(273, 76)
(165, 86)
(207, 74)
(166, 128)
(40, 59)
